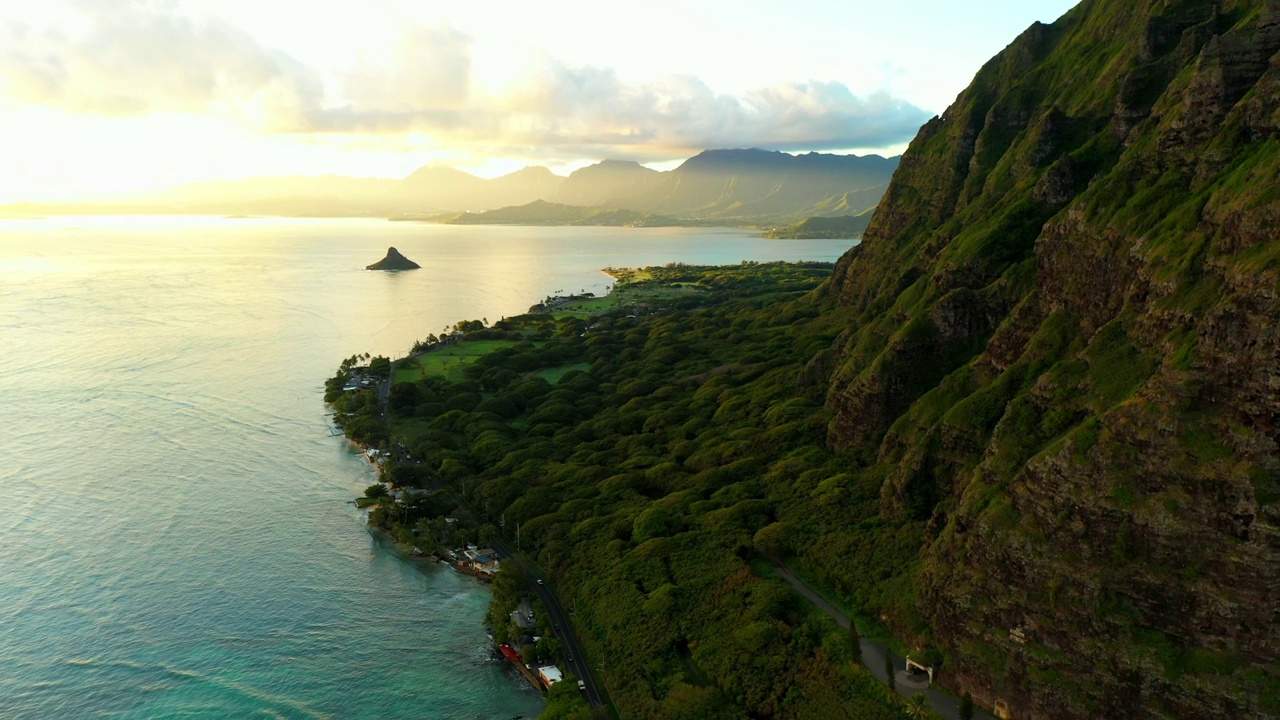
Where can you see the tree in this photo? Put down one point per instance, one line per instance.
(376, 490)
(772, 540)
(966, 707)
(651, 465)
(653, 522)
(564, 702)
(549, 649)
(917, 706)
(423, 530)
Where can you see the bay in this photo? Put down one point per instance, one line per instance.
(175, 538)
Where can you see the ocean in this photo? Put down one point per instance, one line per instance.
(176, 539)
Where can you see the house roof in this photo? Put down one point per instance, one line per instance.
(509, 652)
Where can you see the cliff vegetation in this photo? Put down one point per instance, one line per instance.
(1028, 426)
(1063, 367)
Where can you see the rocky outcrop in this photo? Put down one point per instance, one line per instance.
(1066, 366)
(393, 261)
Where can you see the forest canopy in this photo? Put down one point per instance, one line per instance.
(654, 457)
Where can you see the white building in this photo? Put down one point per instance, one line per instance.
(550, 675)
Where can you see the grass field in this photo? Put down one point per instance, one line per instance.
(621, 297)
(585, 308)
(658, 293)
(553, 375)
(448, 362)
(628, 275)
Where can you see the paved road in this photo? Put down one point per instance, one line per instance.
(575, 658)
(559, 618)
(873, 656)
(564, 630)
(384, 391)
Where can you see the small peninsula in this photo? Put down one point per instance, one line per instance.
(394, 261)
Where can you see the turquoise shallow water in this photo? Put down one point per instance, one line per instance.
(175, 540)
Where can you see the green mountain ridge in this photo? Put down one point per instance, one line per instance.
(1066, 334)
(1045, 381)
(1027, 427)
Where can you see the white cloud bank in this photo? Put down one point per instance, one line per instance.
(143, 57)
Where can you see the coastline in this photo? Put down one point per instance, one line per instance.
(674, 287)
(422, 561)
(428, 563)
(384, 461)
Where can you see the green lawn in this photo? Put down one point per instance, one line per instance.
(585, 308)
(448, 361)
(622, 276)
(641, 294)
(553, 375)
(623, 296)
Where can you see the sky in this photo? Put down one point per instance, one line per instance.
(106, 97)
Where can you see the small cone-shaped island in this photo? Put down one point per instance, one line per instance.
(393, 261)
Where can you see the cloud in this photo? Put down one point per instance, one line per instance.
(142, 57)
(146, 57)
(431, 69)
(591, 111)
(560, 105)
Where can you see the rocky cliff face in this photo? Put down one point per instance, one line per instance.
(1067, 364)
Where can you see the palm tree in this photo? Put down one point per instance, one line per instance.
(918, 707)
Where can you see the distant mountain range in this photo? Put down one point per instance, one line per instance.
(755, 184)
(729, 187)
(541, 212)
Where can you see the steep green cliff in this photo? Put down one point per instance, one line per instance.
(1029, 425)
(1064, 365)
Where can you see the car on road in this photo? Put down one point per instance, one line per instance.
(540, 582)
(582, 686)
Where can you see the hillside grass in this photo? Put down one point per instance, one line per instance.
(555, 374)
(448, 362)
